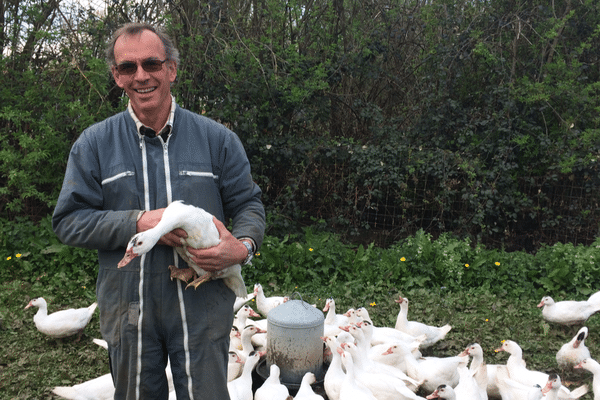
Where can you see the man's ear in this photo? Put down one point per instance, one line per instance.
(172, 66)
(116, 76)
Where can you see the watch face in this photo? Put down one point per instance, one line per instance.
(250, 252)
(249, 247)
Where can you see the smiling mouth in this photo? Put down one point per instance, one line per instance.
(147, 90)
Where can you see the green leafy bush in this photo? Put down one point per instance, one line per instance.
(319, 262)
(33, 254)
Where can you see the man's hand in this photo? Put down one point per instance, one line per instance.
(227, 253)
(149, 219)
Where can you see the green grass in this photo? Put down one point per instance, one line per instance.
(31, 364)
(487, 295)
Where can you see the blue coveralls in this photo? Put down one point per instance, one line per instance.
(113, 172)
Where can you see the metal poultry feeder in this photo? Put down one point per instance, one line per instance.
(294, 344)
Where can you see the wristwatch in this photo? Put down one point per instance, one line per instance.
(248, 244)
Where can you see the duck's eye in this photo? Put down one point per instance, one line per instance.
(141, 242)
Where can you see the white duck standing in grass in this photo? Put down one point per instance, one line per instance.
(518, 372)
(414, 328)
(234, 366)
(382, 385)
(465, 390)
(483, 374)
(572, 353)
(351, 388)
(444, 392)
(384, 334)
(335, 375)
(235, 339)
(306, 391)
(265, 304)
(553, 389)
(332, 320)
(240, 301)
(241, 387)
(101, 388)
(510, 389)
(535, 393)
(201, 233)
(61, 324)
(247, 346)
(241, 317)
(433, 371)
(362, 361)
(569, 312)
(272, 388)
(591, 365)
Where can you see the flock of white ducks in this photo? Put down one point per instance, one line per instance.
(371, 362)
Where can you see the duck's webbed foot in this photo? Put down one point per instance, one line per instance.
(183, 274)
(199, 281)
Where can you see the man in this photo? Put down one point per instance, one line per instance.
(121, 174)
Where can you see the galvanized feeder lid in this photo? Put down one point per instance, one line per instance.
(295, 314)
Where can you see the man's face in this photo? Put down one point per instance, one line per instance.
(149, 92)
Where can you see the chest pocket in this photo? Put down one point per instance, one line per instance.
(198, 185)
(120, 190)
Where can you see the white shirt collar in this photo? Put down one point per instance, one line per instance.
(141, 127)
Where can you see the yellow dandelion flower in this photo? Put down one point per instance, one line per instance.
(373, 304)
(402, 259)
(257, 254)
(466, 265)
(8, 258)
(18, 255)
(310, 249)
(497, 263)
(486, 320)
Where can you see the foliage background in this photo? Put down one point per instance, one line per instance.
(380, 118)
(450, 133)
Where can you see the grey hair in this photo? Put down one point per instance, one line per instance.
(134, 28)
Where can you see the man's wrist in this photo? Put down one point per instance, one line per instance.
(137, 220)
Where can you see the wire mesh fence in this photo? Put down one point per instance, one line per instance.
(558, 207)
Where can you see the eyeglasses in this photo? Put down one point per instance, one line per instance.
(149, 65)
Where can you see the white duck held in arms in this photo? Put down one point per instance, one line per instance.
(201, 233)
(61, 324)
